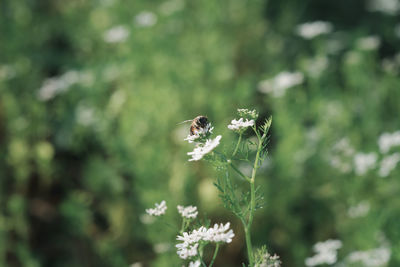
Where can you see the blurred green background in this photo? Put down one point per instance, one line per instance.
(91, 93)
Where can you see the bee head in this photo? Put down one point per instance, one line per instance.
(203, 121)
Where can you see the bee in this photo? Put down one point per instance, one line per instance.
(200, 124)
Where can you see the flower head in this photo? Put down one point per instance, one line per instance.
(202, 149)
(194, 263)
(278, 85)
(158, 210)
(200, 134)
(326, 252)
(245, 113)
(239, 125)
(310, 30)
(189, 212)
(116, 34)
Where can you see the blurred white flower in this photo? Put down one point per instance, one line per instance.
(57, 85)
(189, 212)
(389, 7)
(169, 7)
(310, 30)
(136, 264)
(359, 210)
(388, 164)
(116, 34)
(371, 258)
(316, 66)
(244, 112)
(161, 247)
(269, 261)
(145, 19)
(85, 115)
(326, 253)
(340, 157)
(369, 43)
(237, 125)
(218, 233)
(202, 149)
(363, 162)
(278, 85)
(158, 210)
(7, 72)
(194, 263)
(388, 140)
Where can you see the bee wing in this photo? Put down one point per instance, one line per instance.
(184, 122)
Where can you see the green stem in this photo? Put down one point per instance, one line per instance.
(183, 226)
(247, 226)
(237, 145)
(215, 255)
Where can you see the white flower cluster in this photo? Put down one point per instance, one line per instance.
(371, 258)
(388, 164)
(190, 241)
(145, 19)
(341, 155)
(202, 149)
(388, 140)
(158, 210)
(369, 43)
(116, 34)
(244, 112)
(364, 162)
(201, 132)
(194, 263)
(238, 125)
(326, 253)
(60, 84)
(359, 210)
(278, 85)
(270, 261)
(389, 7)
(189, 212)
(310, 30)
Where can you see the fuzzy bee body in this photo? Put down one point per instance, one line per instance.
(199, 124)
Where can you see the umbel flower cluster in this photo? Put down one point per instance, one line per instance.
(195, 237)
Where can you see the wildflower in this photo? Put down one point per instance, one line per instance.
(190, 241)
(388, 164)
(369, 43)
(389, 7)
(158, 210)
(116, 34)
(310, 30)
(245, 113)
(203, 149)
(270, 261)
(57, 85)
(189, 212)
(388, 140)
(146, 19)
(194, 263)
(359, 210)
(238, 125)
(278, 85)
(371, 258)
(364, 162)
(326, 253)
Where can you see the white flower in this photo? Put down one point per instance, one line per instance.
(190, 241)
(146, 19)
(388, 164)
(359, 210)
(326, 253)
(57, 85)
(194, 263)
(202, 149)
(389, 7)
(244, 112)
(278, 85)
(364, 162)
(237, 125)
(371, 258)
(116, 34)
(369, 43)
(316, 66)
(188, 212)
(388, 140)
(201, 132)
(310, 30)
(269, 261)
(158, 210)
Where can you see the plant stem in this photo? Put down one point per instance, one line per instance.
(237, 145)
(252, 205)
(215, 255)
(183, 226)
